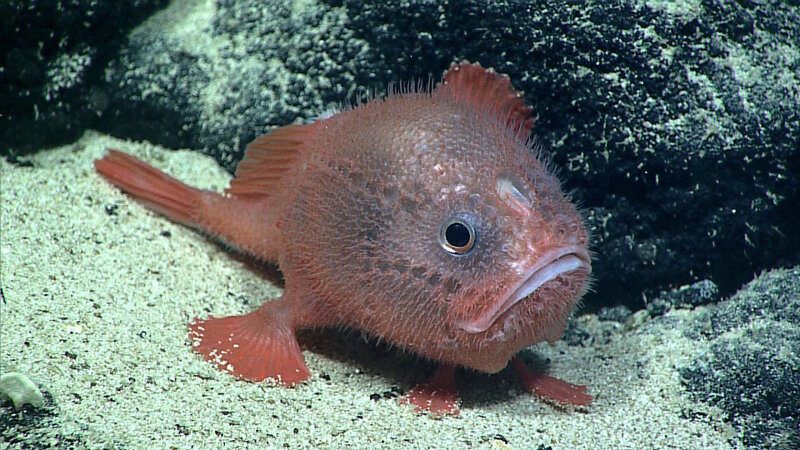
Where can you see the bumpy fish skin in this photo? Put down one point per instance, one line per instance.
(354, 209)
(364, 229)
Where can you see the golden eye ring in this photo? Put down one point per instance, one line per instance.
(457, 236)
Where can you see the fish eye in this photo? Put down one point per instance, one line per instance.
(457, 236)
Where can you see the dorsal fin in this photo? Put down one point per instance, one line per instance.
(268, 160)
(488, 90)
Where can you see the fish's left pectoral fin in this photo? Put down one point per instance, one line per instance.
(254, 347)
(551, 389)
(438, 396)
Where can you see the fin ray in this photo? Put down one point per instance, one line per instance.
(256, 346)
(486, 89)
(269, 160)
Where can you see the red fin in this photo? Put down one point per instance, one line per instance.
(489, 90)
(438, 396)
(159, 191)
(255, 346)
(268, 160)
(551, 389)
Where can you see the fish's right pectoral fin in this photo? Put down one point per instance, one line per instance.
(255, 346)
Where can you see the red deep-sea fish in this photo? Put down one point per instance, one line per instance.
(424, 218)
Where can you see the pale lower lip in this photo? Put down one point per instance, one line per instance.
(553, 263)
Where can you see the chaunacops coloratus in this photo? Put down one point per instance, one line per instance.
(425, 219)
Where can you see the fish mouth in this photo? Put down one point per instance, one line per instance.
(550, 265)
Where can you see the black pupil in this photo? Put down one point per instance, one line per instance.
(457, 234)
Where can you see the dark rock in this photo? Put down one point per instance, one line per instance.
(52, 56)
(619, 313)
(751, 369)
(578, 334)
(588, 330)
(700, 293)
(35, 428)
(259, 65)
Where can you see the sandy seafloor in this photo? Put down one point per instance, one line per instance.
(99, 290)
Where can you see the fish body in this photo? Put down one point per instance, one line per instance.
(425, 218)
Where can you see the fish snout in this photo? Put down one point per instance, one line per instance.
(549, 266)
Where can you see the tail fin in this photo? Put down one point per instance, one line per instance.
(159, 191)
(246, 224)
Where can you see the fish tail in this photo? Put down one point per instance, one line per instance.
(244, 224)
(157, 190)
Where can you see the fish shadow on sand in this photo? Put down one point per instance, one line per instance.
(401, 370)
